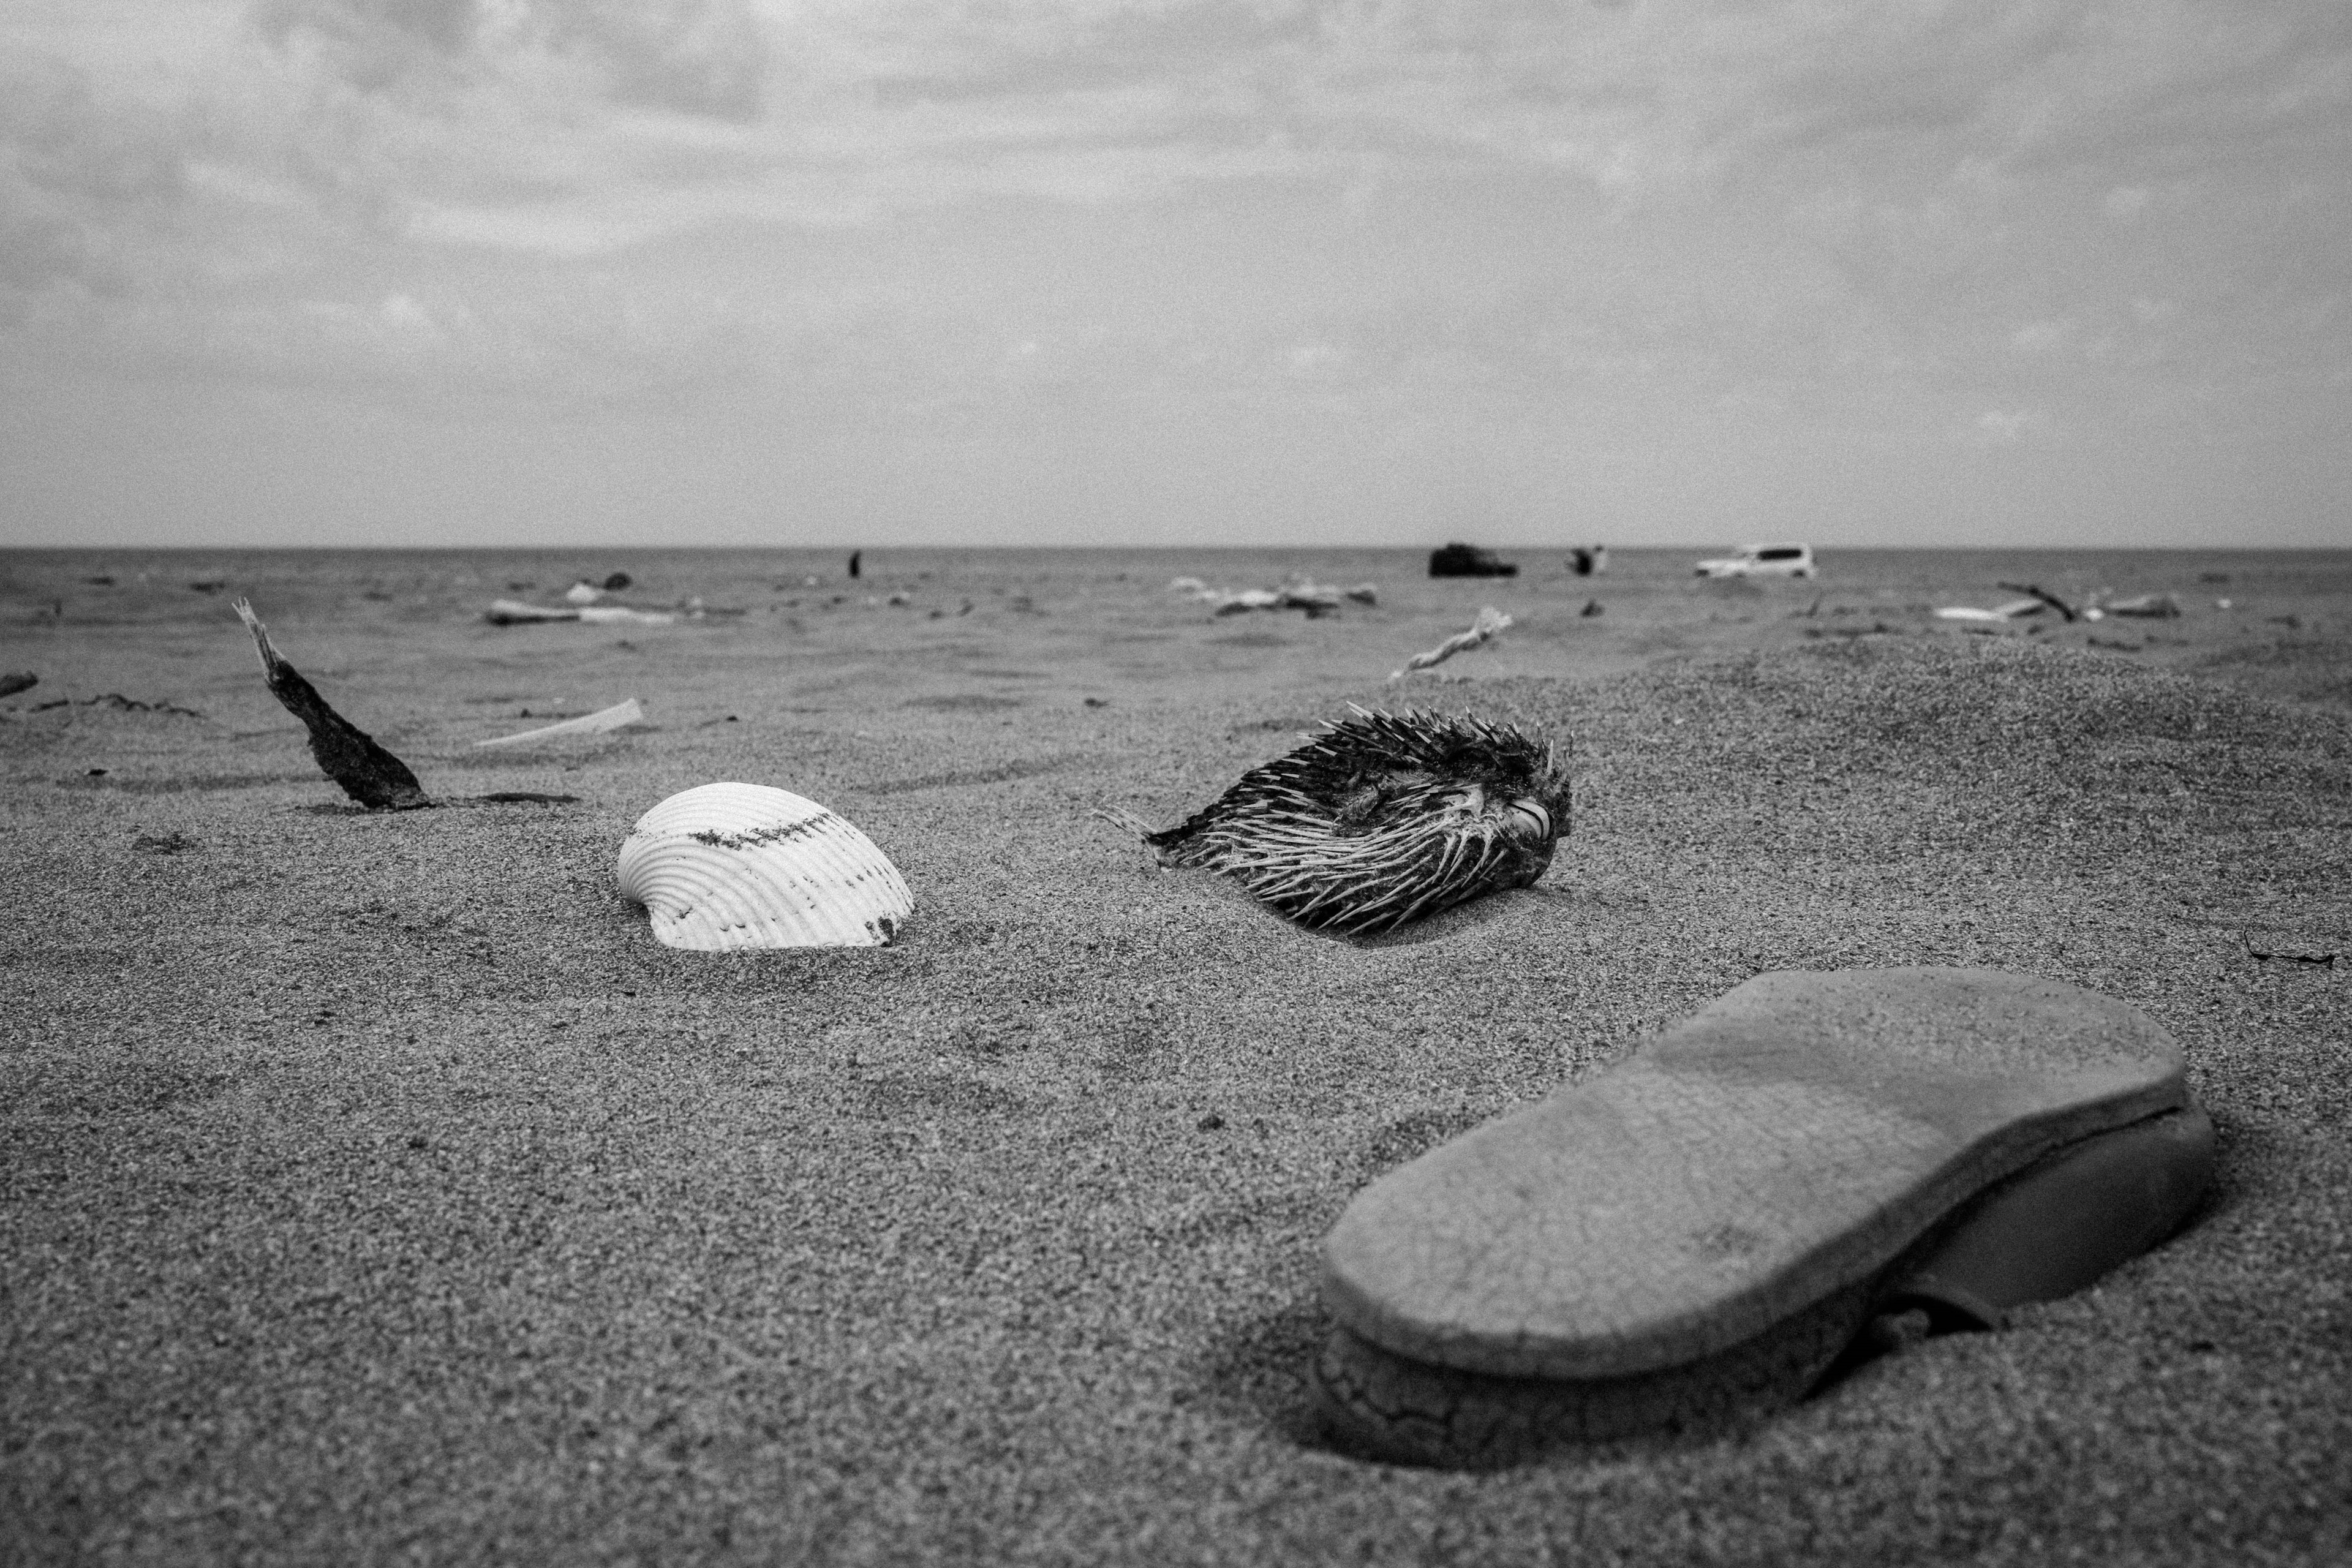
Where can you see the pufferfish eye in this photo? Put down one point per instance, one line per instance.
(1538, 820)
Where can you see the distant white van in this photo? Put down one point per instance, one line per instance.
(1762, 561)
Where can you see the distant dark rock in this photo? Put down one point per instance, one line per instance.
(20, 680)
(1459, 560)
(616, 582)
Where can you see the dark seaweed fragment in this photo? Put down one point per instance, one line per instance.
(369, 773)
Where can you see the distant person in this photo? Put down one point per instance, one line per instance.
(853, 561)
(1591, 562)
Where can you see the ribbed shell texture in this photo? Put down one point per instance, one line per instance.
(729, 865)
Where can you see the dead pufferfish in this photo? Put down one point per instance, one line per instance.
(1381, 818)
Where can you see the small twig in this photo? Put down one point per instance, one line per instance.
(1490, 621)
(2327, 959)
(2045, 595)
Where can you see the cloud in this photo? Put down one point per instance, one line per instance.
(1930, 173)
(2006, 426)
(82, 189)
(688, 57)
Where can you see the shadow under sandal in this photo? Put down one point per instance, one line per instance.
(1701, 1232)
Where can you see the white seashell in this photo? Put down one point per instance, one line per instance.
(728, 866)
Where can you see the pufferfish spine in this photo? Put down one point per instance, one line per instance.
(1382, 818)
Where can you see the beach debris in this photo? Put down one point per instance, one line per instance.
(1459, 559)
(2036, 590)
(1379, 819)
(539, 797)
(1739, 1200)
(17, 681)
(514, 612)
(369, 773)
(117, 701)
(596, 723)
(582, 592)
(2289, 948)
(1999, 613)
(162, 843)
(1790, 559)
(2152, 607)
(1588, 561)
(856, 558)
(2117, 645)
(725, 867)
(615, 581)
(1298, 594)
(1490, 622)
(1593, 607)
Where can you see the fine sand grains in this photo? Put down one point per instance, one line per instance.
(374, 1185)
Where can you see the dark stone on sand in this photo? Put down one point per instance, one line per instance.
(17, 681)
(1459, 560)
(615, 582)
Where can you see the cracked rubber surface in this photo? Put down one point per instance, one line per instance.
(2053, 1229)
(1778, 1148)
(1388, 1407)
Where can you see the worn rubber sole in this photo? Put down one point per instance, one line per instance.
(2054, 1228)
(1719, 1214)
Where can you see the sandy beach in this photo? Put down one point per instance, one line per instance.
(373, 1187)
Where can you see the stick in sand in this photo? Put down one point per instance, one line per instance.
(1490, 621)
(595, 723)
(369, 773)
(2044, 595)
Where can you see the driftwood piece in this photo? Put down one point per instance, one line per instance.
(369, 773)
(2045, 595)
(1490, 621)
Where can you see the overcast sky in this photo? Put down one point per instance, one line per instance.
(874, 272)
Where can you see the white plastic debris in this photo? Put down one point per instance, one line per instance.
(595, 723)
